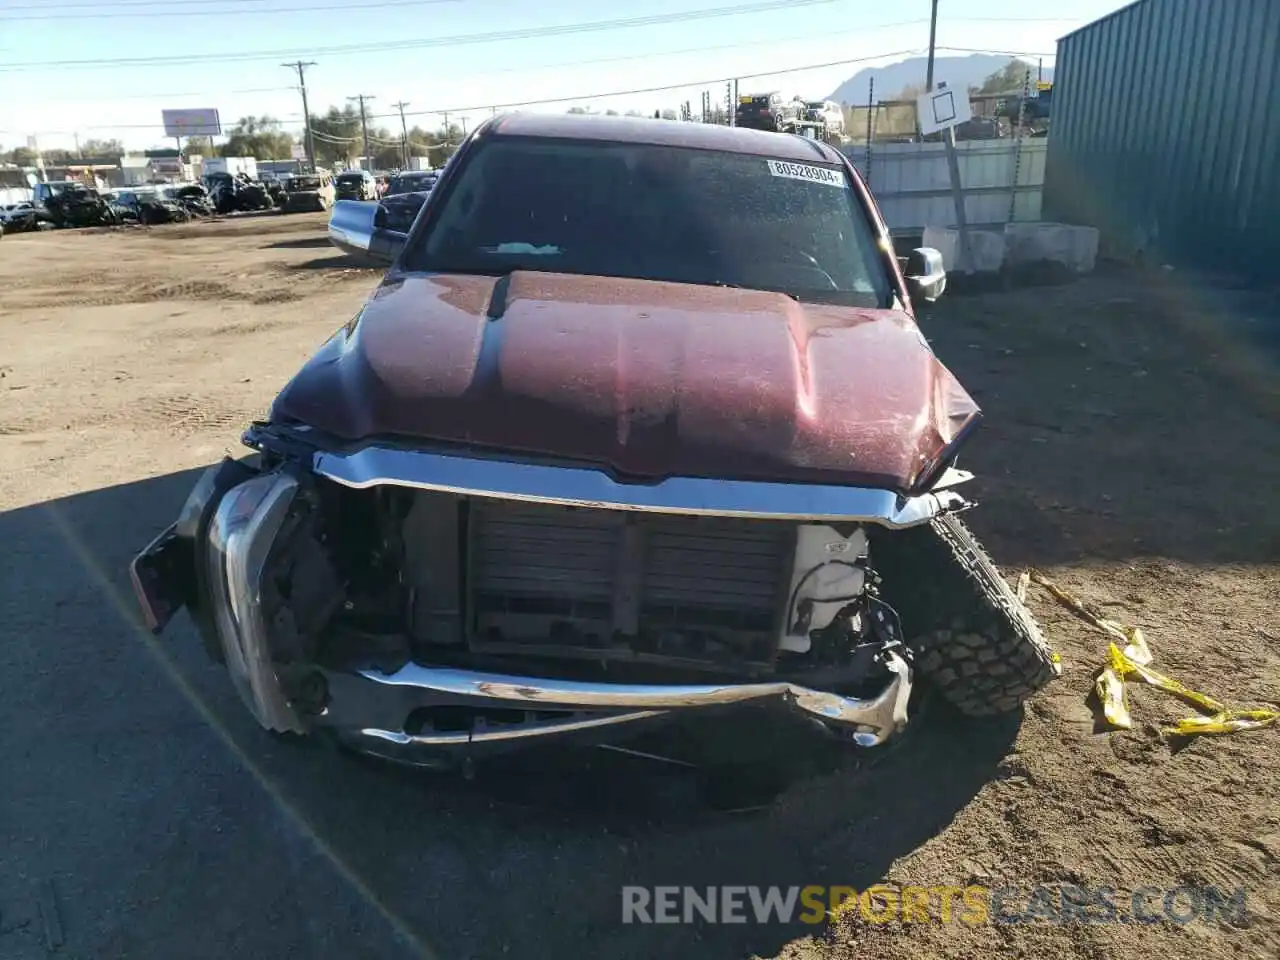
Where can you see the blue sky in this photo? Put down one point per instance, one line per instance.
(58, 101)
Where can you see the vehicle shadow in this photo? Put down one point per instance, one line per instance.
(304, 243)
(339, 261)
(187, 816)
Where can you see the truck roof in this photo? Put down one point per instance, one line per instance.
(666, 133)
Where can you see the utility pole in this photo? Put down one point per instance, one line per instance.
(446, 127)
(364, 124)
(404, 129)
(308, 142)
(464, 128)
(933, 40)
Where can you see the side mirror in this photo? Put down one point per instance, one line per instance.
(355, 228)
(926, 277)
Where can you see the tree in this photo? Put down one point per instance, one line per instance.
(101, 148)
(670, 115)
(198, 147)
(22, 156)
(259, 137)
(337, 135)
(1008, 79)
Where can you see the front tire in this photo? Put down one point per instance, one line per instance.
(974, 640)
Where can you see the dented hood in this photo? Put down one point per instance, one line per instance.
(644, 378)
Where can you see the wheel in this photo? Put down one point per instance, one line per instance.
(973, 640)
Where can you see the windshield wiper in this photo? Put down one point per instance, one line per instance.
(742, 286)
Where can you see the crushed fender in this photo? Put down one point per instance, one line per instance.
(1129, 656)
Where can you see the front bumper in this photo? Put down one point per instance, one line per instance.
(397, 714)
(371, 710)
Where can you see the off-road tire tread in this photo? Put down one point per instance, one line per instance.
(972, 638)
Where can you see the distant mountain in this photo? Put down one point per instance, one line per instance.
(893, 79)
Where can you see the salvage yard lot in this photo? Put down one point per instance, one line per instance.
(1130, 452)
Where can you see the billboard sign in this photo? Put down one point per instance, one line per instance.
(191, 123)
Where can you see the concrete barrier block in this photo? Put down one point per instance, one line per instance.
(1075, 248)
(986, 248)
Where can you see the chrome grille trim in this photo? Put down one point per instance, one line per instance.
(374, 466)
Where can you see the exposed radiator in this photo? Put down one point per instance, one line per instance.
(542, 573)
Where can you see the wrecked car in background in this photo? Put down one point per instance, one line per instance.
(638, 425)
(148, 207)
(308, 192)
(193, 198)
(21, 217)
(236, 193)
(69, 203)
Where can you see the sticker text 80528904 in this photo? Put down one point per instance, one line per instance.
(807, 172)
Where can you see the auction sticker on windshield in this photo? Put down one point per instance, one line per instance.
(803, 171)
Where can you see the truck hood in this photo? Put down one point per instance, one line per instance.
(646, 379)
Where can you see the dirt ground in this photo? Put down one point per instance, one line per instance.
(1131, 452)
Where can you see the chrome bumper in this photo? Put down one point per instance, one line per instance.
(368, 709)
(371, 709)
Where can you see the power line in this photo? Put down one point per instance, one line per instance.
(165, 95)
(562, 64)
(802, 68)
(599, 95)
(659, 89)
(587, 26)
(221, 12)
(999, 53)
(125, 3)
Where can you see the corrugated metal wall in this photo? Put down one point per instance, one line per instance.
(1166, 131)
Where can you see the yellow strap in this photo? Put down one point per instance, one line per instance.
(1134, 660)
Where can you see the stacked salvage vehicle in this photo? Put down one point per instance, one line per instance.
(238, 193)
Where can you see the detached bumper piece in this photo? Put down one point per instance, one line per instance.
(397, 715)
(375, 712)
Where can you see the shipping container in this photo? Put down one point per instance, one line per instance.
(1166, 132)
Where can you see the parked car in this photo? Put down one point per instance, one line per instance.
(767, 111)
(236, 193)
(148, 206)
(194, 198)
(20, 217)
(638, 425)
(829, 113)
(308, 191)
(356, 185)
(70, 203)
(412, 181)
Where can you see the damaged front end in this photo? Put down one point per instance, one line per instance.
(421, 605)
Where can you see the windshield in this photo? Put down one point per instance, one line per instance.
(422, 181)
(350, 178)
(658, 213)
